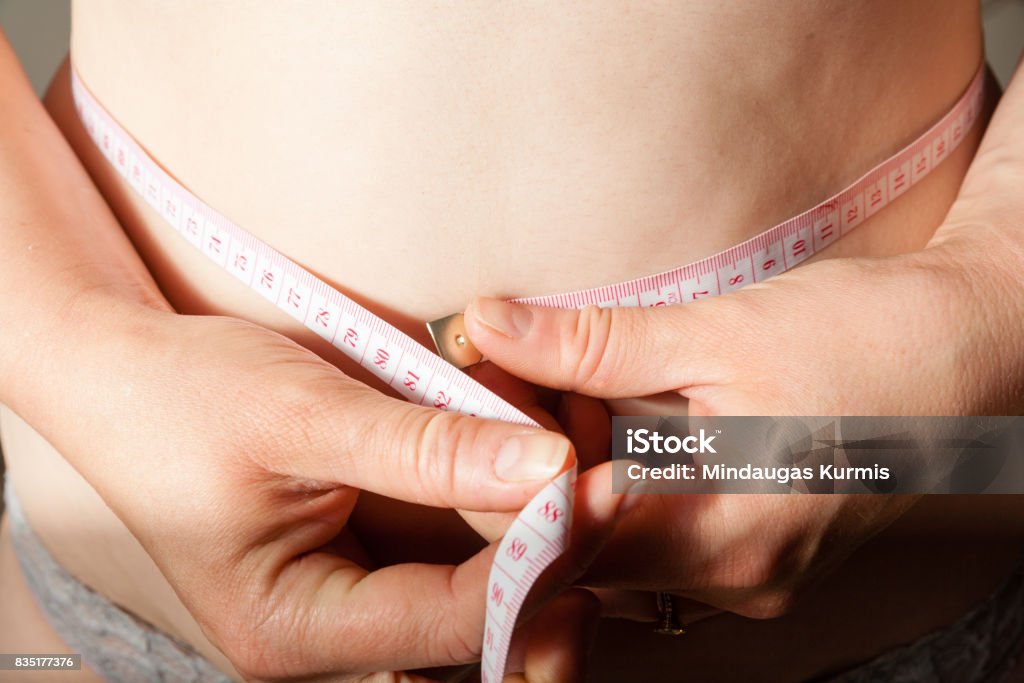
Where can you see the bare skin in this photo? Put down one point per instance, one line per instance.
(526, 151)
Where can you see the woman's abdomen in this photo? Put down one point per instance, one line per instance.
(425, 159)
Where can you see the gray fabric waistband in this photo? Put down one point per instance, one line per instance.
(117, 645)
(983, 645)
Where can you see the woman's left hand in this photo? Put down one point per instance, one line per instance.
(936, 332)
(836, 337)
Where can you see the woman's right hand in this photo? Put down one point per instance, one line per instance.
(233, 454)
(236, 457)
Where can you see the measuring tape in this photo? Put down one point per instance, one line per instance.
(540, 533)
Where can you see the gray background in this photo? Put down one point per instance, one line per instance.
(39, 29)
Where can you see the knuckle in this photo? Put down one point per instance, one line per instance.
(458, 639)
(298, 417)
(246, 642)
(432, 445)
(767, 579)
(733, 349)
(458, 642)
(753, 572)
(770, 605)
(259, 626)
(762, 569)
(296, 412)
(249, 662)
(588, 351)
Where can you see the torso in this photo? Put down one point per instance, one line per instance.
(417, 155)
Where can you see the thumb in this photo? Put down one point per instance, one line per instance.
(351, 434)
(609, 352)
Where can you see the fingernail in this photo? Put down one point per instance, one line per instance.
(511, 320)
(530, 457)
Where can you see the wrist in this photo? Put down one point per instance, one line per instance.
(42, 352)
(981, 266)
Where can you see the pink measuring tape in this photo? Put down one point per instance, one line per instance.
(540, 533)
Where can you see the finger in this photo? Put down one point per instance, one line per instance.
(344, 619)
(523, 395)
(596, 513)
(413, 615)
(347, 433)
(559, 639)
(691, 611)
(605, 352)
(626, 604)
(642, 606)
(490, 525)
(493, 525)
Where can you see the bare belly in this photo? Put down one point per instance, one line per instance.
(415, 158)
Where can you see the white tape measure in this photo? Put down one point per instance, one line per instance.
(541, 531)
